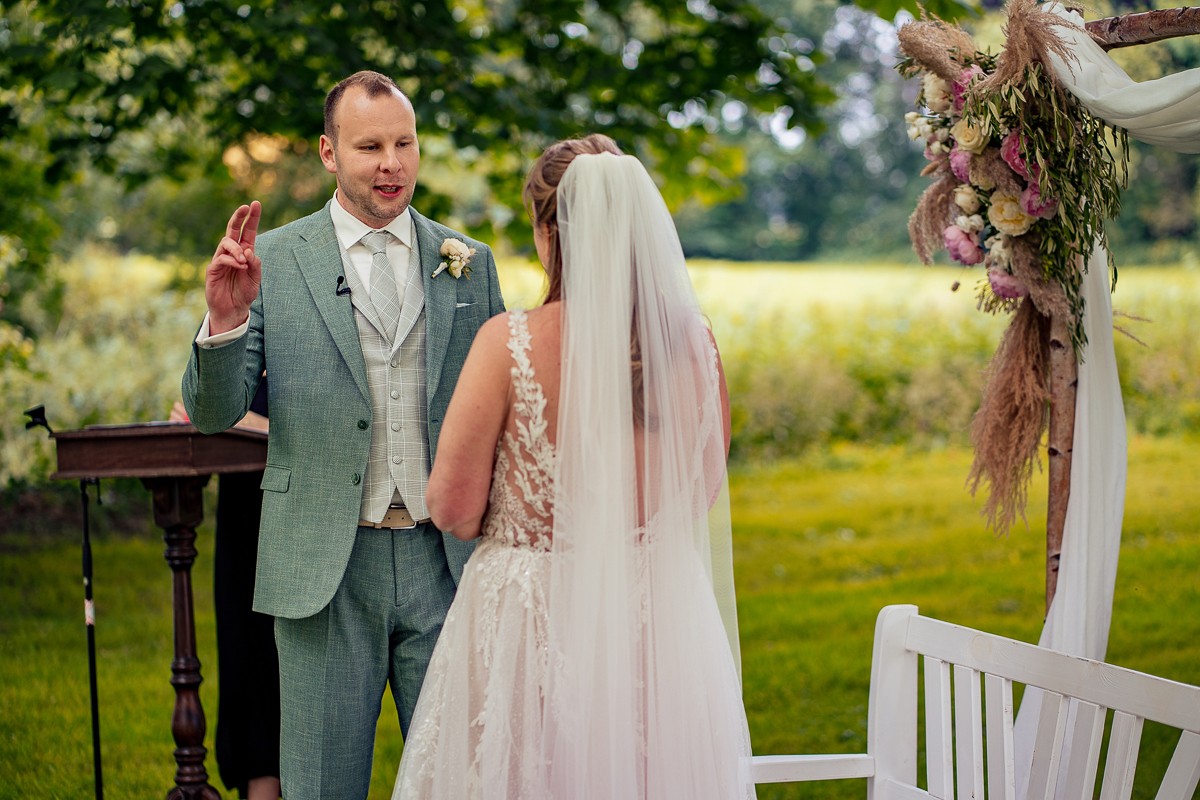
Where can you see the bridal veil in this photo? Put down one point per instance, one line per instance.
(643, 695)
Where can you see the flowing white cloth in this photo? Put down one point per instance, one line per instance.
(1164, 112)
(1081, 612)
(584, 657)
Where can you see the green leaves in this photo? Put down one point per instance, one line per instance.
(948, 10)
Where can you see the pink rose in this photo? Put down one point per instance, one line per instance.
(962, 246)
(1010, 151)
(963, 82)
(1033, 204)
(1005, 285)
(960, 164)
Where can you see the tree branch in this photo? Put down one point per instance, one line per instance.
(1149, 26)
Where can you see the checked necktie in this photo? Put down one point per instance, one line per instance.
(384, 295)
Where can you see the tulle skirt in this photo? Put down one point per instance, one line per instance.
(477, 731)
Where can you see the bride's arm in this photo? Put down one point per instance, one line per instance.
(462, 469)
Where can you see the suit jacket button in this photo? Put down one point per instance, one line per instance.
(362, 424)
(357, 479)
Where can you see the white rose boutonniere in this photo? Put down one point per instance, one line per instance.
(458, 258)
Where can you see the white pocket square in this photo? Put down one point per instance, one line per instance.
(463, 305)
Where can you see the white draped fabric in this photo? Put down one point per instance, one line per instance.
(1164, 112)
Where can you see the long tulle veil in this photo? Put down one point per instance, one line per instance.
(643, 696)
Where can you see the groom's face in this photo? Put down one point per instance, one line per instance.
(374, 155)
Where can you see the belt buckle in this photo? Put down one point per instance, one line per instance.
(398, 518)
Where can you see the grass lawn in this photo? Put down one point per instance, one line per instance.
(821, 544)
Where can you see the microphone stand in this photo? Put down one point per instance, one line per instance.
(89, 618)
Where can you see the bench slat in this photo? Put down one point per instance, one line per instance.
(968, 721)
(939, 738)
(1001, 753)
(1047, 746)
(1086, 721)
(1123, 744)
(1179, 782)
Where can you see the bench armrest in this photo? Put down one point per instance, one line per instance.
(780, 769)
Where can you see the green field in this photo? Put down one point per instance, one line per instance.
(821, 544)
(852, 388)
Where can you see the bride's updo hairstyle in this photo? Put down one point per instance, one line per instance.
(540, 194)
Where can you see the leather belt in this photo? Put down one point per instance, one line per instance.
(397, 517)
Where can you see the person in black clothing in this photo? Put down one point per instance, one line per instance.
(247, 739)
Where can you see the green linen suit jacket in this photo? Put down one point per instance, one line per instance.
(304, 335)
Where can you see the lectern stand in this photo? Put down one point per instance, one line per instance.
(174, 461)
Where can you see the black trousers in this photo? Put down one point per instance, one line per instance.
(247, 741)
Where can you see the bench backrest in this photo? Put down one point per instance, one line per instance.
(967, 678)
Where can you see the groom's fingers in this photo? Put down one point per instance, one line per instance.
(249, 228)
(243, 225)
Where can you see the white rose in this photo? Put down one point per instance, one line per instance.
(937, 93)
(966, 198)
(968, 137)
(970, 224)
(999, 251)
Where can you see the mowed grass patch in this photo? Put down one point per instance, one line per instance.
(821, 544)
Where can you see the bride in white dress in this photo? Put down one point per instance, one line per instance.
(591, 651)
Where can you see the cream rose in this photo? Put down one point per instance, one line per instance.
(454, 248)
(968, 137)
(1007, 216)
(458, 258)
(966, 198)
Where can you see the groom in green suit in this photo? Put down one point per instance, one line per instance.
(363, 327)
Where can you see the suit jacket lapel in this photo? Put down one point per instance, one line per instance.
(320, 260)
(440, 296)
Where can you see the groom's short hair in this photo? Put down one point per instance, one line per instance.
(373, 83)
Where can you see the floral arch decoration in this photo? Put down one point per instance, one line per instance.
(1023, 179)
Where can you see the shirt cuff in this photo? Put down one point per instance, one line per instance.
(208, 341)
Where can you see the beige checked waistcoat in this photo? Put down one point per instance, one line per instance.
(398, 463)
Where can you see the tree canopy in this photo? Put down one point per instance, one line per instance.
(144, 88)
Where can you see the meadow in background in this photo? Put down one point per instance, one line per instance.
(852, 388)
(814, 353)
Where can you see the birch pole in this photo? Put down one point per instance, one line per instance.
(1064, 379)
(1128, 30)
(1110, 33)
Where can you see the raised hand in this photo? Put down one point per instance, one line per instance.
(232, 278)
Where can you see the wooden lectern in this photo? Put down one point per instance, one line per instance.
(174, 461)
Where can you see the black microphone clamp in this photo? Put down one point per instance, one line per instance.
(341, 291)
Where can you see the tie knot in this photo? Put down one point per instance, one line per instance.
(376, 241)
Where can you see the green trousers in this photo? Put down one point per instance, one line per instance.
(379, 628)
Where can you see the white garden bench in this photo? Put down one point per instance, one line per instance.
(982, 667)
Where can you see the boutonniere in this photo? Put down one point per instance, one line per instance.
(458, 258)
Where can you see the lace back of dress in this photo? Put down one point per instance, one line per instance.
(522, 496)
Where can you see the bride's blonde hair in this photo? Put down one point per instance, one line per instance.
(541, 199)
(540, 195)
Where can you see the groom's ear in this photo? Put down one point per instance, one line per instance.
(326, 148)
